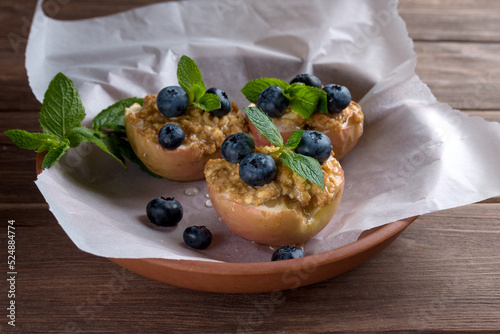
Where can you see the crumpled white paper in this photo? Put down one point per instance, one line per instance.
(416, 156)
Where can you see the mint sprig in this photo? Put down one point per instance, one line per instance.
(60, 119)
(307, 167)
(110, 124)
(190, 79)
(304, 100)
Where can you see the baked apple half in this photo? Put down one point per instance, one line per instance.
(203, 131)
(305, 104)
(286, 211)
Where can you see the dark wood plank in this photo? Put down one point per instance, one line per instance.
(442, 20)
(441, 274)
(466, 76)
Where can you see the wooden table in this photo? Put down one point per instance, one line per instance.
(442, 274)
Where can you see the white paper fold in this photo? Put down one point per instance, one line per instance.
(416, 156)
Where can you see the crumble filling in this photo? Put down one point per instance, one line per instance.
(203, 130)
(349, 116)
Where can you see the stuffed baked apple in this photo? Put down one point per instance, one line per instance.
(280, 194)
(175, 132)
(306, 104)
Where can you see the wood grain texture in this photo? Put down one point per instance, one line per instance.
(441, 275)
(446, 20)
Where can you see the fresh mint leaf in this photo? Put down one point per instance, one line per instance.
(323, 104)
(198, 91)
(82, 134)
(32, 141)
(126, 150)
(307, 167)
(253, 88)
(62, 108)
(55, 153)
(208, 102)
(294, 139)
(303, 99)
(115, 141)
(189, 77)
(265, 125)
(112, 117)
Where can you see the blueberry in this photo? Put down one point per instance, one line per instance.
(225, 103)
(172, 101)
(257, 169)
(287, 252)
(315, 144)
(171, 136)
(272, 101)
(338, 97)
(197, 237)
(237, 146)
(308, 80)
(164, 211)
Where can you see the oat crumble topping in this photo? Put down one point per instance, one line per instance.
(202, 129)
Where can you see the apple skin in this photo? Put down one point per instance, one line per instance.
(181, 164)
(278, 227)
(343, 141)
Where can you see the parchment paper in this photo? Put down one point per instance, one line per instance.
(416, 156)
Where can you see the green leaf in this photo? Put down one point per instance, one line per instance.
(307, 167)
(32, 141)
(294, 139)
(118, 144)
(303, 99)
(189, 77)
(113, 116)
(82, 134)
(265, 125)
(62, 108)
(198, 91)
(55, 153)
(253, 88)
(208, 102)
(323, 104)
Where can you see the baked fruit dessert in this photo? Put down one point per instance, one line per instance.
(306, 104)
(280, 194)
(175, 132)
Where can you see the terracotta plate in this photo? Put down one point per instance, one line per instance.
(265, 276)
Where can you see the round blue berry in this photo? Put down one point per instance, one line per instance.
(315, 144)
(172, 101)
(272, 101)
(237, 146)
(257, 169)
(287, 252)
(308, 80)
(338, 97)
(164, 211)
(225, 103)
(197, 237)
(171, 136)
